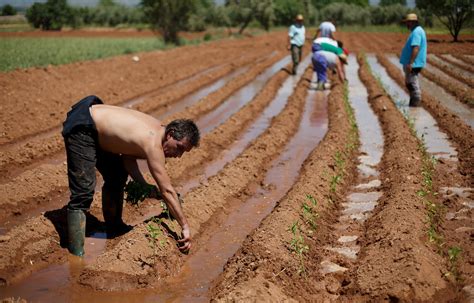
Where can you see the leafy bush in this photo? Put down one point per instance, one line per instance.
(346, 14)
(52, 15)
(8, 10)
(169, 16)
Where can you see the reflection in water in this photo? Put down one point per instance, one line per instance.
(436, 142)
(449, 101)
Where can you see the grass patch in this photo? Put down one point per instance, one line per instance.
(30, 52)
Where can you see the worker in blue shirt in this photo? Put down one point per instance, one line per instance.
(296, 38)
(413, 57)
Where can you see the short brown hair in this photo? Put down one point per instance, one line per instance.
(184, 128)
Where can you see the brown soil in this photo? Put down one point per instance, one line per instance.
(396, 261)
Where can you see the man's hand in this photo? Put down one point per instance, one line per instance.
(186, 240)
(408, 67)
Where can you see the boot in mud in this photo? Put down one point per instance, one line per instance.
(112, 206)
(414, 102)
(76, 226)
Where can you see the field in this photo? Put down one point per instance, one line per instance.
(294, 195)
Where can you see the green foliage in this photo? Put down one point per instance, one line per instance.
(346, 14)
(169, 16)
(108, 14)
(392, 2)
(8, 10)
(243, 12)
(298, 245)
(155, 232)
(392, 14)
(309, 212)
(286, 11)
(454, 14)
(137, 192)
(52, 15)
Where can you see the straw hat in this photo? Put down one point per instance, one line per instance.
(299, 17)
(410, 17)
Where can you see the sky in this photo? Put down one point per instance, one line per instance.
(27, 3)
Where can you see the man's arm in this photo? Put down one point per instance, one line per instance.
(156, 163)
(131, 166)
(414, 52)
(340, 70)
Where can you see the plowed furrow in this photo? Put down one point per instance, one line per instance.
(153, 70)
(266, 267)
(452, 70)
(21, 155)
(248, 114)
(461, 134)
(205, 201)
(385, 248)
(19, 203)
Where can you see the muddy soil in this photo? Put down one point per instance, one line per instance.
(288, 254)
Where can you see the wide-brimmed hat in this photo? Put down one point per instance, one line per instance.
(299, 17)
(410, 17)
(343, 58)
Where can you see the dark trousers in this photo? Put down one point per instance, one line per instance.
(296, 54)
(84, 155)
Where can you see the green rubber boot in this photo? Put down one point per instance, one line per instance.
(76, 226)
(112, 208)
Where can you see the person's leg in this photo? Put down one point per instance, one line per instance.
(115, 177)
(81, 160)
(295, 51)
(413, 87)
(320, 66)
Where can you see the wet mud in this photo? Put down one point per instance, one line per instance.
(293, 195)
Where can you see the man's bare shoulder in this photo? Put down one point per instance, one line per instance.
(125, 130)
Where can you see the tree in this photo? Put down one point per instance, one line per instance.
(8, 10)
(392, 2)
(452, 13)
(52, 15)
(242, 12)
(169, 16)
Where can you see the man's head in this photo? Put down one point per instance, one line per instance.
(180, 136)
(411, 21)
(299, 18)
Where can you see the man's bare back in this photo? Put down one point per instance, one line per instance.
(127, 132)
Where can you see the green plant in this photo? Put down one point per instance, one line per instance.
(336, 179)
(136, 192)
(298, 245)
(453, 257)
(309, 213)
(154, 231)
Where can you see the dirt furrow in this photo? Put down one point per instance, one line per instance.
(39, 106)
(165, 99)
(234, 126)
(396, 261)
(459, 132)
(18, 201)
(451, 70)
(231, 184)
(16, 156)
(452, 59)
(270, 266)
(462, 93)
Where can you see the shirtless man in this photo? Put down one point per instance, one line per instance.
(111, 139)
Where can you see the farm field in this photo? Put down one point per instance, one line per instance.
(297, 195)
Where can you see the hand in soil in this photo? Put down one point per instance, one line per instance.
(185, 241)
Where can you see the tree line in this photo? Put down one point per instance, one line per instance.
(171, 16)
